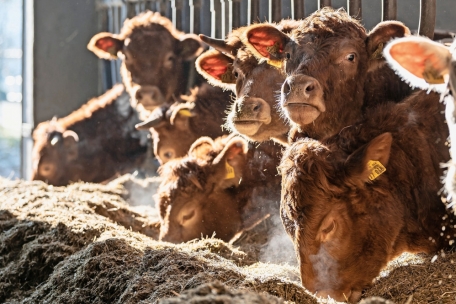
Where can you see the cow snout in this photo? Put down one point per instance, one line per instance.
(250, 114)
(340, 296)
(302, 99)
(150, 97)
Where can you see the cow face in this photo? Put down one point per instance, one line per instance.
(254, 113)
(53, 159)
(326, 60)
(330, 209)
(198, 194)
(152, 54)
(171, 131)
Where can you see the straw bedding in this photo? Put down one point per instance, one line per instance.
(84, 244)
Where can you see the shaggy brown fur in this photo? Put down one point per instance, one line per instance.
(174, 128)
(222, 187)
(153, 57)
(333, 66)
(346, 225)
(92, 144)
(254, 113)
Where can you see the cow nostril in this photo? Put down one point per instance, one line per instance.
(168, 155)
(256, 108)
(138, 95)
(310, 88)
(286, 88)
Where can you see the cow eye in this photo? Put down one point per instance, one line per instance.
(288, 55)
(350, 57)
(236, 74)
(329, 228)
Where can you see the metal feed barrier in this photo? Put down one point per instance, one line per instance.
(216, 18)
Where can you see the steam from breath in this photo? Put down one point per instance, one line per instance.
(325, 269)
(279, 248)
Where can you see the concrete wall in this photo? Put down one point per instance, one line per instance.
(65, 72)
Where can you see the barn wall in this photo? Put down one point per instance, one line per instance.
(65, 72)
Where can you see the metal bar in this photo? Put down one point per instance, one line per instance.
(275, 10)
(176, 6)
(213, 15)
(27, 89)
(253, 11)
(131, 9)
(355, 9)
(222, 12)
(389, 10)
(323, 3)
(427, 18)
(192, 16)
(234, 14)
(297, 9)
(149, 5)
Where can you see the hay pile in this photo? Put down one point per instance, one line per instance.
(84, 244)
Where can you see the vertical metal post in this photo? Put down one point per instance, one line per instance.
(195, 16)
(27, 89)
(253, 10)
(176, 6)
(222, 12)
(323, 3)
(389, 10)
(131, 9)
(234, 14)
(297, 9)
(355, 9)
(275, 10)
(427, 18)
(213, 15)
(149, 5)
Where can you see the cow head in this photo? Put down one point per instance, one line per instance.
(152, 53)
(53, 153)
(326, 59)
(171, 130)
(330, 209)
(254, 113)
(198, 194)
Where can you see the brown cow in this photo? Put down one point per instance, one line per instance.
(254, 113)
(174, 128)
(92, 144)
(223, 187)
(429, 65)
(153, 55)
(346, 215)
(334, 68)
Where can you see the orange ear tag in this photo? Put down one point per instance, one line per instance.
(376, 169)
(185, 112)
(229, 171)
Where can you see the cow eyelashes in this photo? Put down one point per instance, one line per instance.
(329, 228)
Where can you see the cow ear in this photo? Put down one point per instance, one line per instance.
(369, 162)
(201, 148)
(105, 45)
(419, 61)
(217, 68)
(70, 142)
(190, 46)
(232, 160)
(265, 41)
(379, 36)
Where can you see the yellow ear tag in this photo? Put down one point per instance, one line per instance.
(275, 63)
(229, 171)
(376, 169)
(185, 112)
(378, 52)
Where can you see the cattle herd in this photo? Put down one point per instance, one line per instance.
(333, 128)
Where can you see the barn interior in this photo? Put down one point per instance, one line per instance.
(89, 242)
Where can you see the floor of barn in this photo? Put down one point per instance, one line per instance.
(85, 244)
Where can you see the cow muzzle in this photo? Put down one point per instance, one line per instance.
(302, 99)
(250, 114)
(150, 97)
(350, 296)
